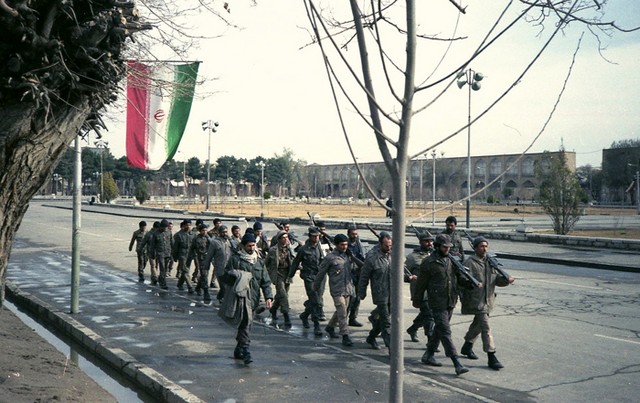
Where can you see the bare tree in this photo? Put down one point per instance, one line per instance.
(371, 27)
(560, 192)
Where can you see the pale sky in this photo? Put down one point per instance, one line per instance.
(272, 92)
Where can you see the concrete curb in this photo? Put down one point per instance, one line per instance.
(151, 381)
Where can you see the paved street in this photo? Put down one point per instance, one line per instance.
(564, 333)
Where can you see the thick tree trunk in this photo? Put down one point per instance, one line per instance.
(30, 146)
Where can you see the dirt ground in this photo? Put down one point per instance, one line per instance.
(355, 210)
(32, 370)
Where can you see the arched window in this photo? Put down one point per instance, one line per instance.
(495, 168)
(527, 167)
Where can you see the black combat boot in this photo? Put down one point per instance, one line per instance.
(332, 332)
(246, 355)
(274, 312)
(467, 349)
(460, 369)
(238, 354)
(413, 333)
(287, 319)
(346, 341)
(372, 342)
(316, 328)
(429, 359)
(304, 317)
(354, 322)
(493, 362)
(206, 297)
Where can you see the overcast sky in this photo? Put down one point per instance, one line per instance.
(269, 91)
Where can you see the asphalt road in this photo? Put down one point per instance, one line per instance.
(564, 333)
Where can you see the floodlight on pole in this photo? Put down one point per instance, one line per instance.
(209, 126)
(471, 79)
(261, 164)
(102, 145)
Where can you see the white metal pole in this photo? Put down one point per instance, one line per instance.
(75, 236)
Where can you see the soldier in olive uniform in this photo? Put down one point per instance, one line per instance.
(337, 266)
(147, 246)
(412, 265)
(456, 240)
(480, 301)
(181, 245)
(377, 270)
(161, 245)
(309, 257)
(199, 248)
(246, 260)
(439, 279)
(278, 262)
(136, 238)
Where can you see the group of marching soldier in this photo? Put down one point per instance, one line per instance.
(247, 264)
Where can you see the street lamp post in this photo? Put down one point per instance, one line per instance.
(209, 126)
(261, 164)
(102, 145)
(433, 190)
(472, 80)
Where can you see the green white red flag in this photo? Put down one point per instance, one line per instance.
(159, 99)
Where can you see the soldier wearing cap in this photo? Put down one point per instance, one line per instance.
(136, 238)
(278, 263)
(181, 246)
(309, 257)
(440, 280)
(199, 248)
(456, 240)
(161, 245)
(247, 261)
(412, 264)
(357, 250)
(147, 245)
(218, 256)
(337, 265)
(194, 234)
(479, 302)
(262, 243)
(377, 270)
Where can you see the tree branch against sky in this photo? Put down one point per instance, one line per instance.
(393, 134)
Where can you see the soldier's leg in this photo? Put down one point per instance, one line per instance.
(162, 267)
(203, 284)
(153, 267)
(141, 263)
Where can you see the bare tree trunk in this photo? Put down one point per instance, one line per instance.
(31, 147)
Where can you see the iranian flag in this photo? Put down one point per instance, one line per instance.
(159, 99)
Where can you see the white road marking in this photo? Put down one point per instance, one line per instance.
(617, 338)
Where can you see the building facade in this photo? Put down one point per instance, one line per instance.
(517, 184)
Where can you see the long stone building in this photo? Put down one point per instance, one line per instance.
(517, 184)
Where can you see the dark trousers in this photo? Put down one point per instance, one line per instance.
(424, 319)
(282, 294)
(442, 333)
(381, 323)
(142, 262)
(312, 306)
(183, 273)
(243, 337)
(163, 266)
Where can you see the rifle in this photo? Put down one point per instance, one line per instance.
(464, 271)
(417, 231)
(491, 258)
(326, 236)
(375, 233)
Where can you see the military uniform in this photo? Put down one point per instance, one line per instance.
(199, 248)
(147, 246)
(424, 318)
(377, 270)
(161, 244)
(181, 245)
(310, 257)
(278, 262)
(136, 238)
(337, 266)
